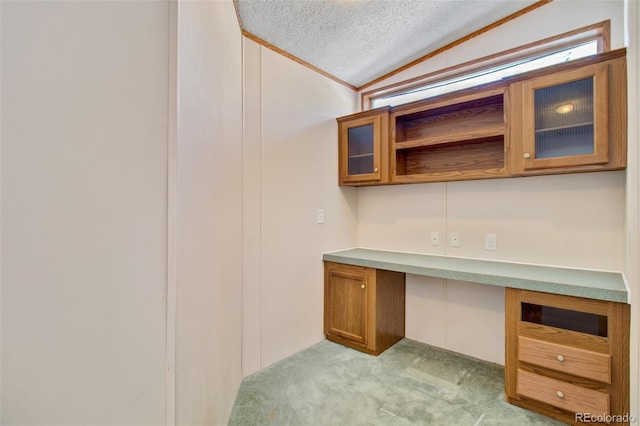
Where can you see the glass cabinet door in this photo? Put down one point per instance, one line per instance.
(360, 158)
(565, 119)
(360, 149)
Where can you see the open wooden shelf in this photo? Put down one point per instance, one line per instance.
(474, 159)
(453, 138)
(457, 119)
(463, 140)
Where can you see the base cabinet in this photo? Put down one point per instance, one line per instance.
(364, 308)
(567, 357)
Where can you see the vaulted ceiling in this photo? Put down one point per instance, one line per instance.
(359, 41)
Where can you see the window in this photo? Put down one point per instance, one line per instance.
(489, 75)
(566, 47)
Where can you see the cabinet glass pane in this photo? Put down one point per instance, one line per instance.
(564, 318)
(564, 117)
(360, 142)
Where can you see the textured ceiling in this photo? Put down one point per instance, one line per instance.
(358, 41)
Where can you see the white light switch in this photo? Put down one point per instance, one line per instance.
(490, 242)
(320, 215)
(455, 239)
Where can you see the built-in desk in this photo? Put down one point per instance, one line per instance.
(566, 329)
(591, 284)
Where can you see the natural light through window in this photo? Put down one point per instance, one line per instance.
(489, 75)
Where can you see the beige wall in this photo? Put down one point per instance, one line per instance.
(84, 196)
(290, 171)
(209, 212)
(571, 220)
(121, 212)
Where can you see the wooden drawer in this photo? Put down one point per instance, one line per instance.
(562, 395)
(567, 359)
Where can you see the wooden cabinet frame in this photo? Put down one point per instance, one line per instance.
(610, 389)
(599, 74)
(457, 137)
(379, 119)
(370, 316)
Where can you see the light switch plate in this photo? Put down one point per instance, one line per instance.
(435, 238)
(490, 242)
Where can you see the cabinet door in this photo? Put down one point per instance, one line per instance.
(360, 149)
(566, 119)
(346, 310)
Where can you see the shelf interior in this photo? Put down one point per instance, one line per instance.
(474, 155)
(476, 119)
(454, 138)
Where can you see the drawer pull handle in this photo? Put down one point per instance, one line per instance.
(560, 394)
(362, 286)
(376, 170)
(527, 155)
(560, 358)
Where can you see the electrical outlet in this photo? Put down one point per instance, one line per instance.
(455, 239)
(435, 238)
(490, 242)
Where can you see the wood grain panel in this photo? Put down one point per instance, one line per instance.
(570, 360)
(561, 336)
(563, 395)
(614, 109)
(512, 315)
(390, 308)
(619, 319)
(530, 376)
(460, 157)
(347, 301)
(593, 306)
(457, 119)
(364, 307)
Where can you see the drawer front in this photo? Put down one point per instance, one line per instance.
(562, 395)
(567, 359)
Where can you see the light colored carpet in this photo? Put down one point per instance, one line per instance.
(409, 384)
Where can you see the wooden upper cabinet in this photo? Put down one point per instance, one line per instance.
(363, 148)
(571, 121)
(565, 119)
(452, 138)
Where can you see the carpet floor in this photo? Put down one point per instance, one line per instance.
(409, 384)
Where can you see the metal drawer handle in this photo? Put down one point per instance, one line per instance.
(527, 155)
(560, 358)
(560, 394)
(362, 286)
(376, 170)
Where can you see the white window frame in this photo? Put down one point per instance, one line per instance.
(599, 32)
